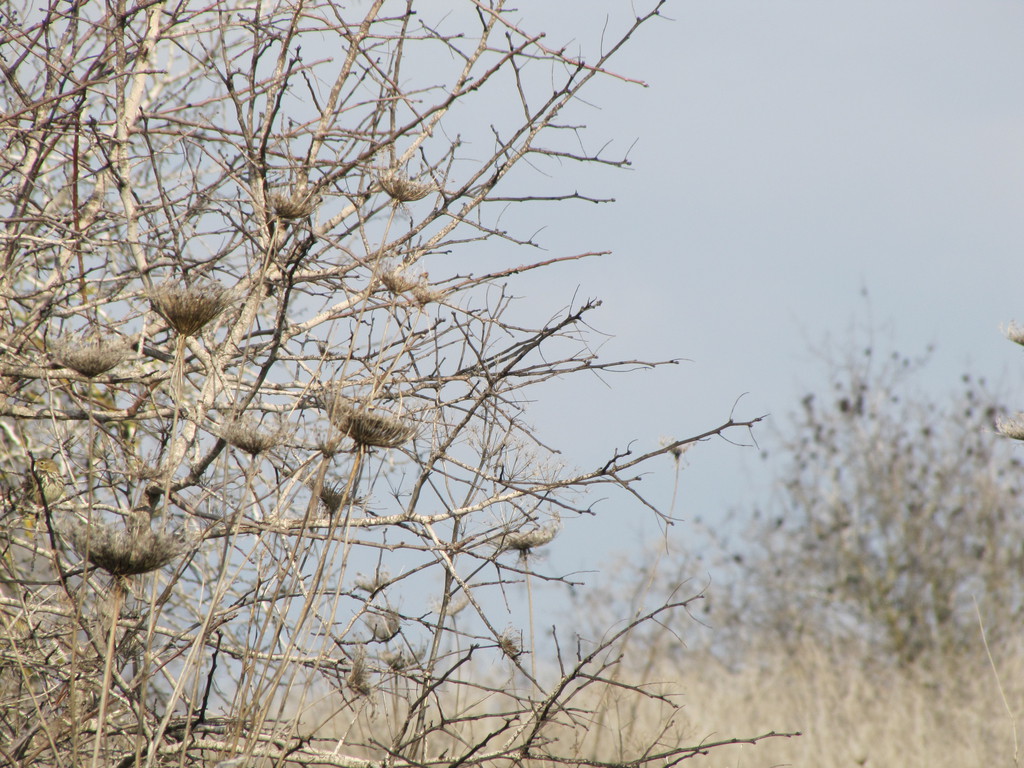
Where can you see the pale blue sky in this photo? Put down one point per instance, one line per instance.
(788, 154)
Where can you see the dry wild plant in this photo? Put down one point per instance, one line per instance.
(153, 154)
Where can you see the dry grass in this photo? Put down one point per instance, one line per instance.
(853, 716)
(848, 715)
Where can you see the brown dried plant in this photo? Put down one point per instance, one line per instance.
(124, 550)
(402, 189)
(297, 205)
(90, 356)
(367, 427)
(247, 435)
(189, 308)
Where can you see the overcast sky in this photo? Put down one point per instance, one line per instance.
(788, 155)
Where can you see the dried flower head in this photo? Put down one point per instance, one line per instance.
(246, 435)
(383, 625)
(188, 308)
(1015, 333)
(366, 427)
(397, 660)
(333, 496)
(397, 282)
(298, 205)
(674, 448)
(456, 604)
(401, 188)
(125, 551)
(90, 355)
(524, 541)
(511, 643)
(358, 677)
(1013, 427)
(373, 583)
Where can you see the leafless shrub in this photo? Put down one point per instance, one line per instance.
(895, 514)
(191, 139)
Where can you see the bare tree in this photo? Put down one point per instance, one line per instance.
(256, 458)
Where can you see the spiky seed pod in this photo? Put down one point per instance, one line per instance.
(125, 551)
(365, 427)
(383, 625)
(247, 436)
(90, 356)
(1013, 428)
(1015, 333)
(294, 206)
(188, 308)
(401, 188)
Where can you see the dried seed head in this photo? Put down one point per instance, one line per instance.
(398, 283)
(125, 551)
(188, 308)
(524, 541)
(358, 677)
(295, 206)
(247, 436)
(1015, 333)
(1013, 427)
(90, 355)
(383, 625)
(397, 660)
(373, 583)
(329, 444)
(402, 189)
(456, 604)
(511, 643)
(333, 496)
(676, 450)
(367, 428)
